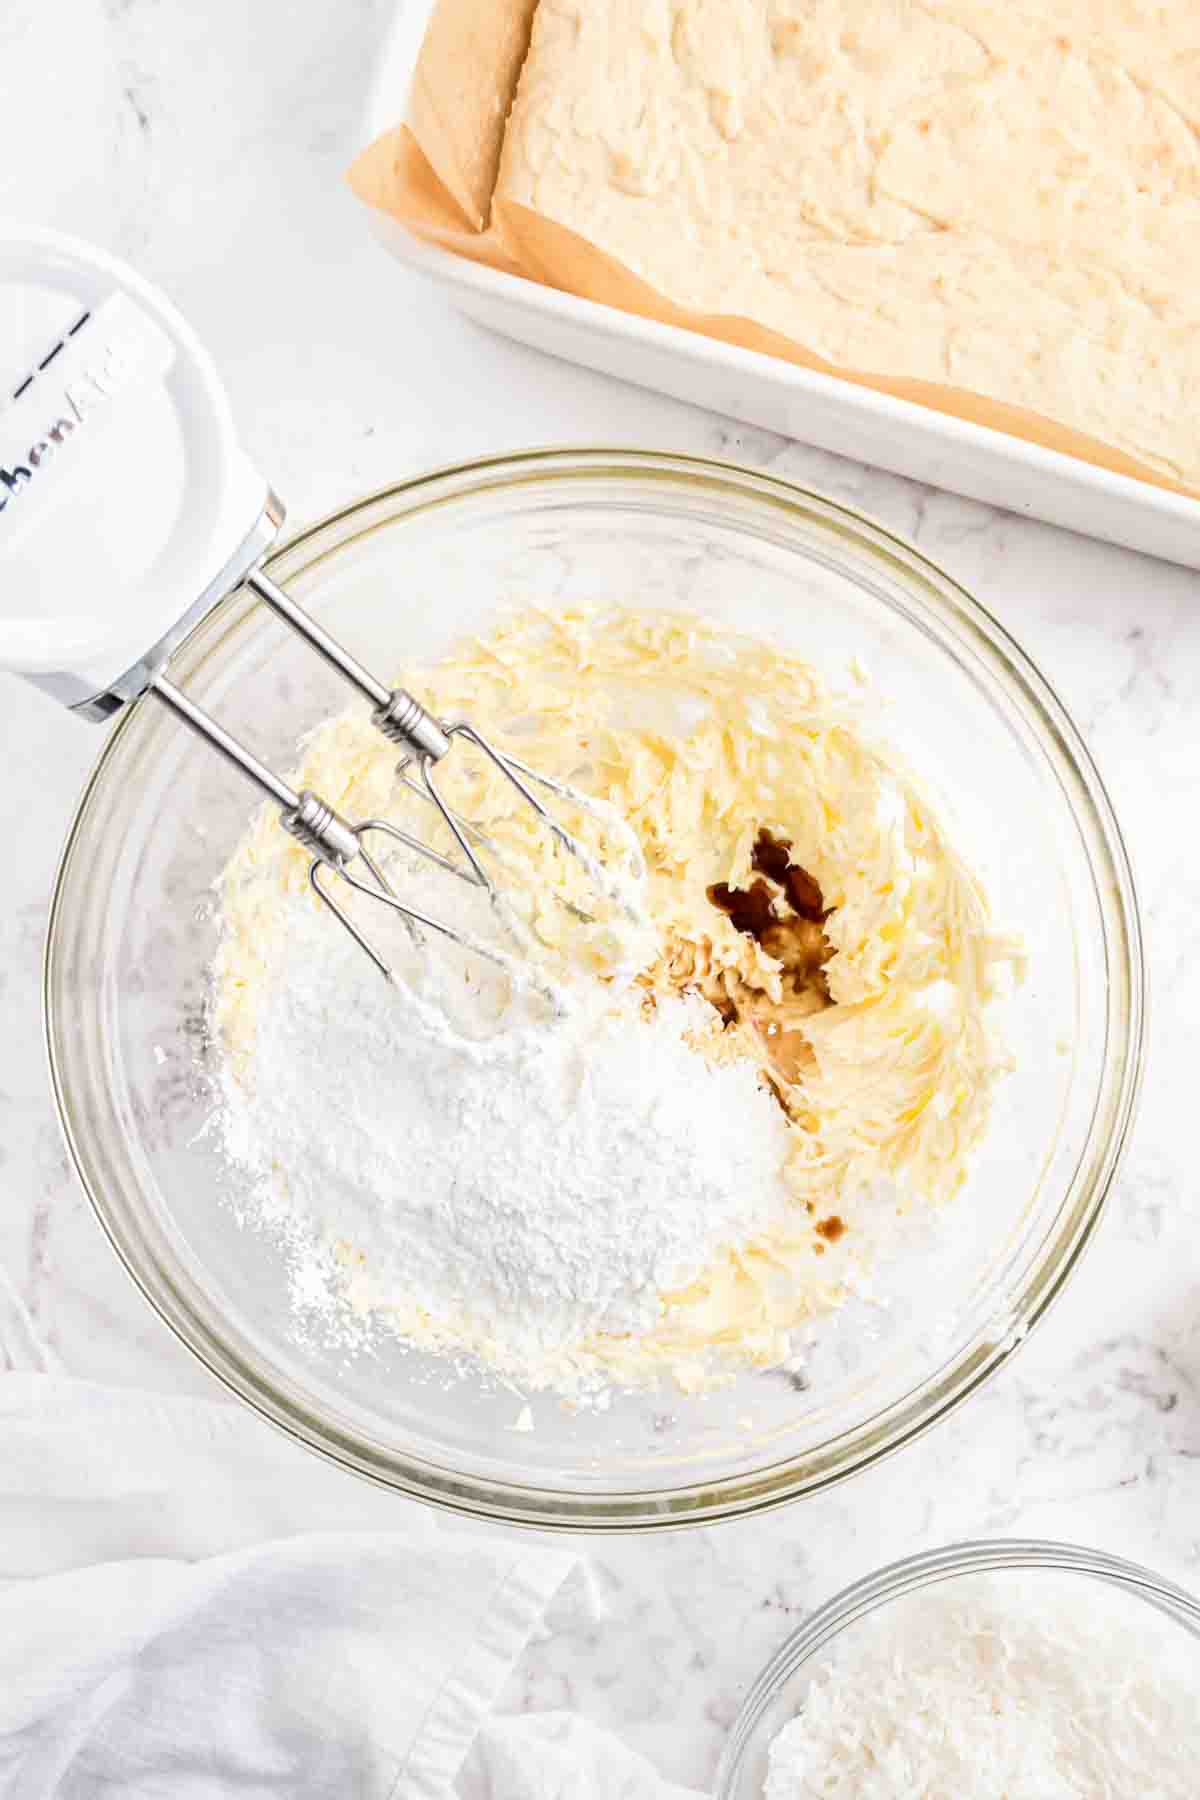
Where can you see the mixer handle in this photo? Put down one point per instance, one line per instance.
(127, 505)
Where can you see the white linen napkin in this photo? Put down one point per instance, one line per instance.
(148, 1648)
(559, 1756)
(192, 1606)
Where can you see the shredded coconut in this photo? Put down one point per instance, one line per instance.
(1000, 1687)
(516, 1206)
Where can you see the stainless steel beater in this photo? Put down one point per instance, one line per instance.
(122, 479)
(336, 844)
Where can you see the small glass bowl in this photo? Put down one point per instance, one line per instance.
(398, 576)
(778, 1694)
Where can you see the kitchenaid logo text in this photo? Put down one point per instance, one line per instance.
(79, 400)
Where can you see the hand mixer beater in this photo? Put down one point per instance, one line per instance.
(122, 479)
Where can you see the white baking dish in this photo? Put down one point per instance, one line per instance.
(798, 403)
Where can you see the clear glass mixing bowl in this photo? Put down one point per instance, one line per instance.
(399, 575)
(834, 1632)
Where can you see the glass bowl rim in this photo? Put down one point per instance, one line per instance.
(912, 1574)
(933, 593)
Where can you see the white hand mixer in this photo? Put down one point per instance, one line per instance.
(128, 510)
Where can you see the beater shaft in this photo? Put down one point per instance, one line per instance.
(334, 843)
(395, 711)
(309, 819)
(223, 742)
(402, 719)
(326, 646)
(339, 846)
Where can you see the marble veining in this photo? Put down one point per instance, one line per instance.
(207, 143)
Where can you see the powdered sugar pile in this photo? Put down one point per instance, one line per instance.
(514, 1206)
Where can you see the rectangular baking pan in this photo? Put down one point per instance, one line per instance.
(797, 403)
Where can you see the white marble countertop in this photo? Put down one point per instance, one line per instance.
(207, 143)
